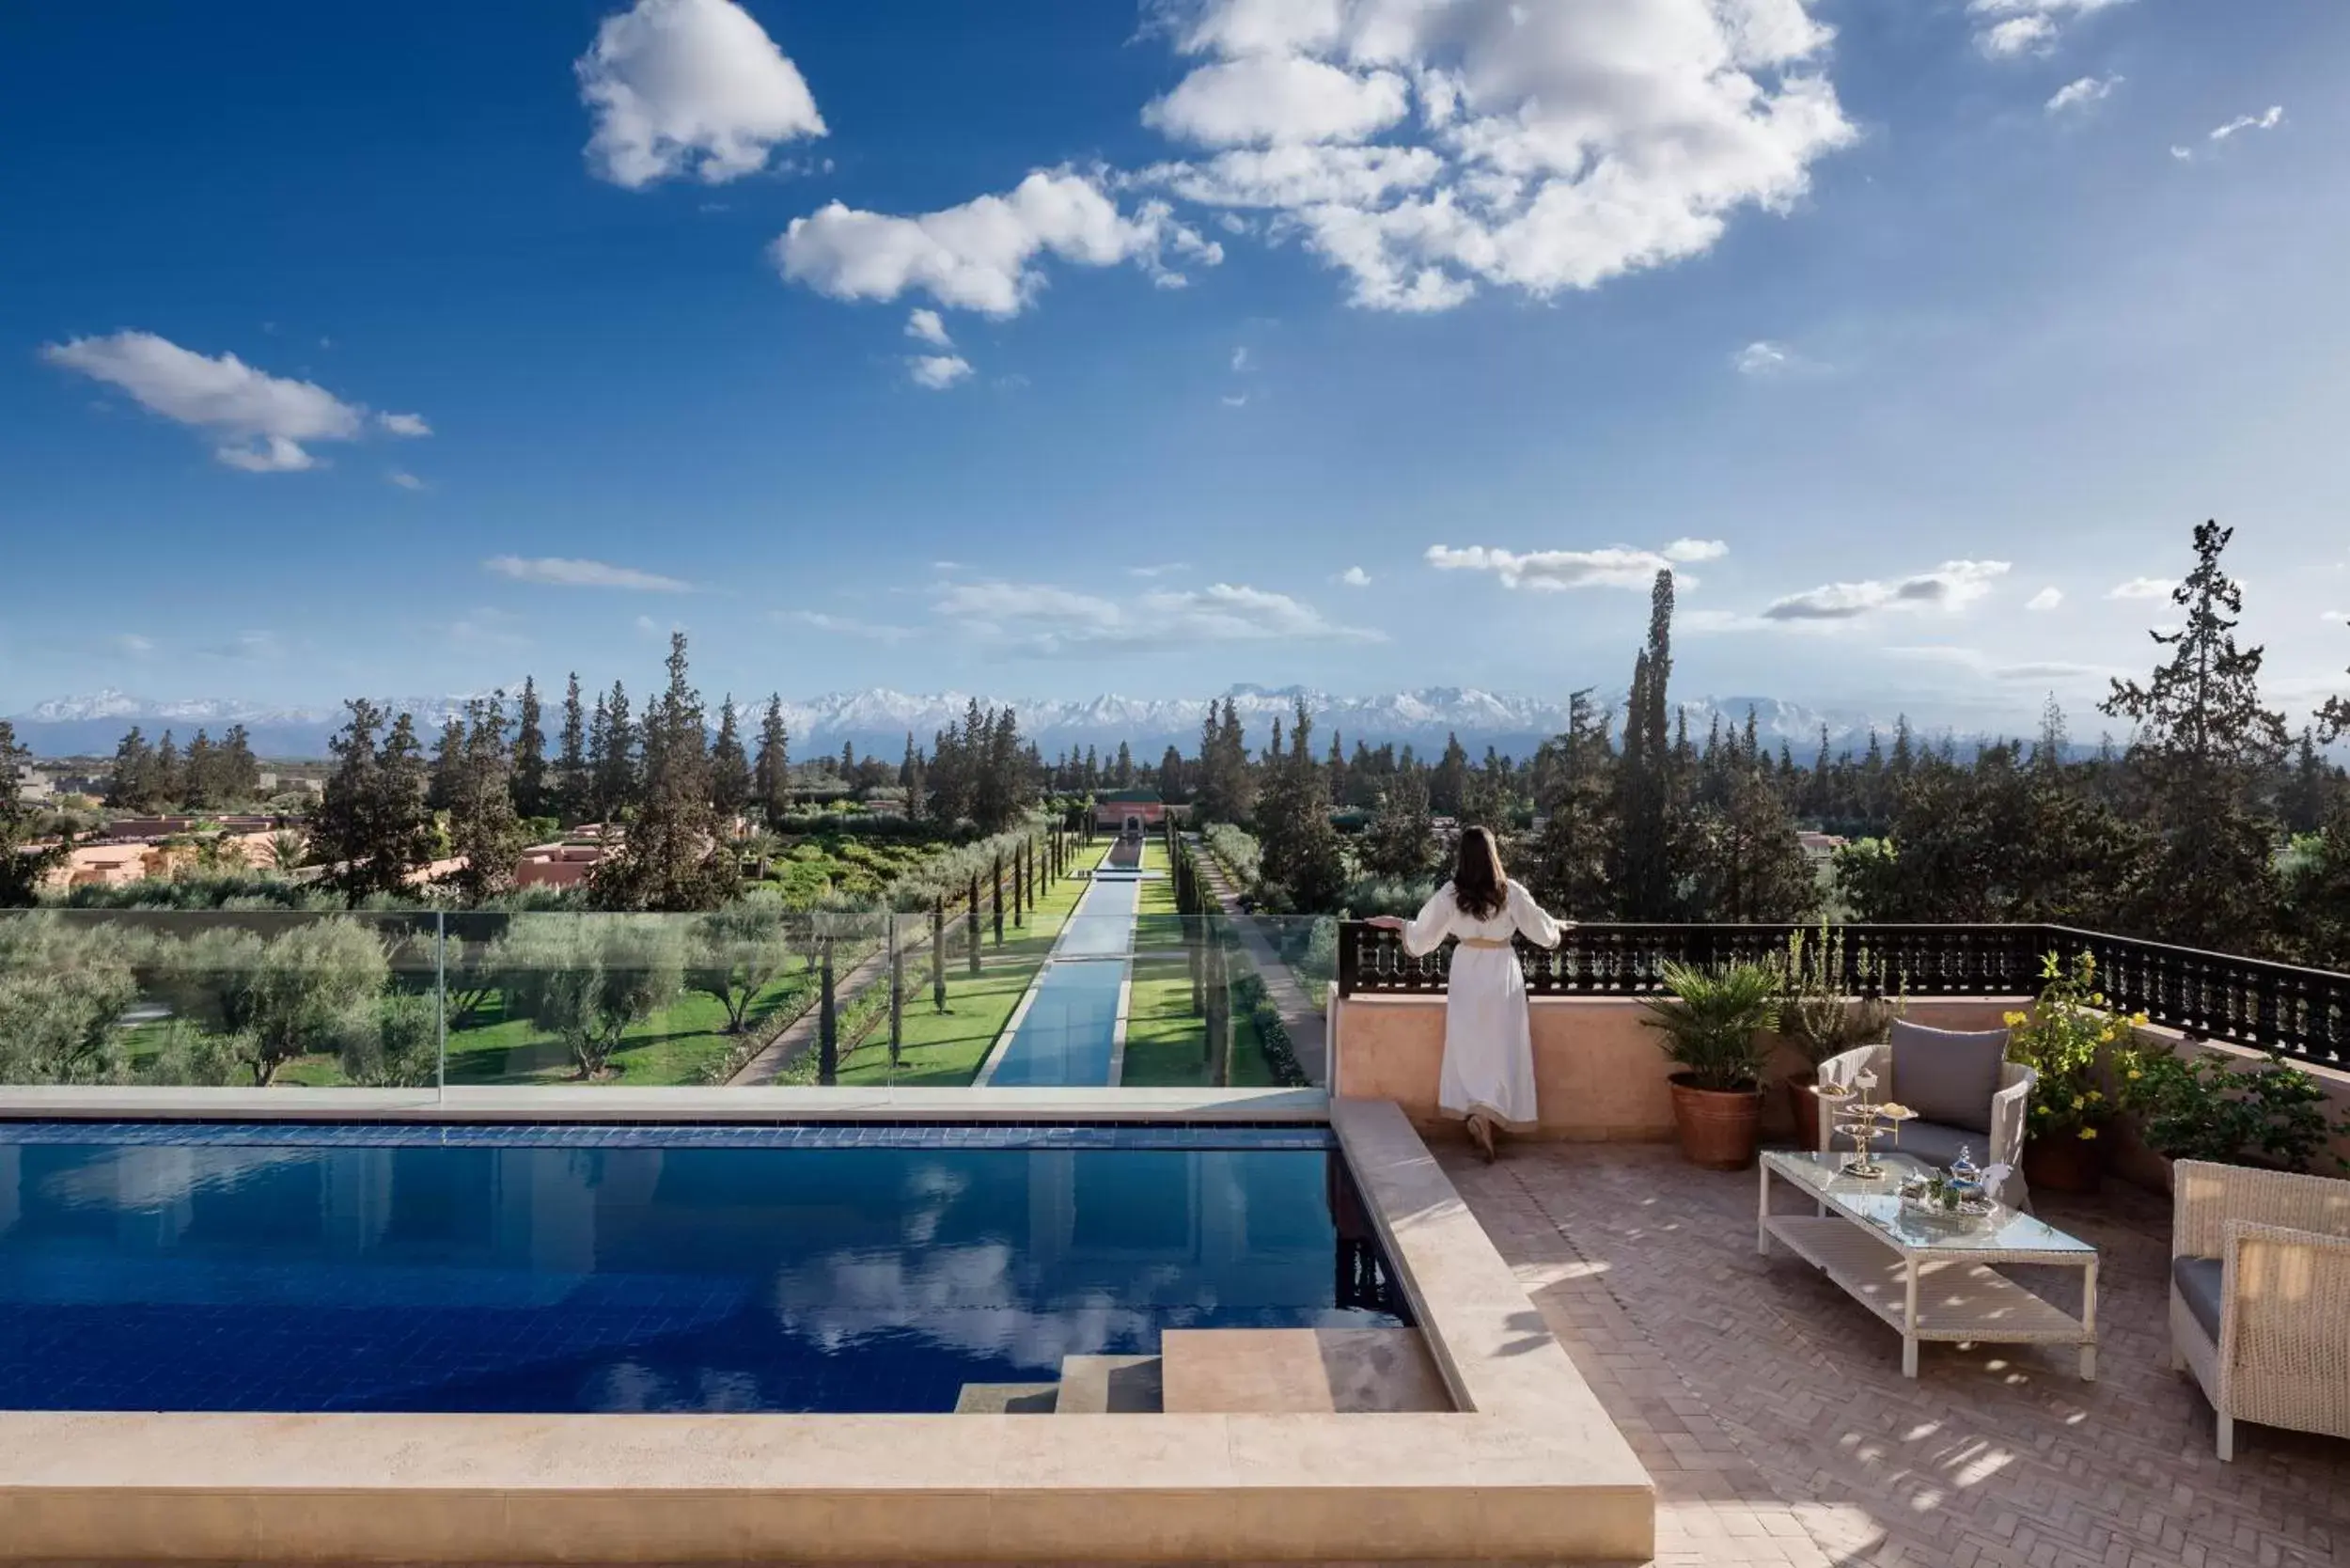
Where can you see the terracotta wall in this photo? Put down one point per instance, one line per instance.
(1598, 1076)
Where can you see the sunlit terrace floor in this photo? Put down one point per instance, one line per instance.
(1771, 1411)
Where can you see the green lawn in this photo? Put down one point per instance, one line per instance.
(944, 1050)
(1157, 925)
(1166, 1042)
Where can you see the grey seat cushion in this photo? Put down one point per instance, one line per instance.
(1931, 1141)
(1948, 1075)
(2200, 1281)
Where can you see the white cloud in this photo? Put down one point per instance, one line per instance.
(689, 87)
(926, 328)
(1235, 399)
(1950, 585)
(1160, 568)
(1763, 360)
(1046, 621)
(981, 255)
(1977, 662)
(2184, 154)
(255, 646)
(1355, 577)
(1557, 571)
(1240, 360)
(2142, 588)
(2333, 614)
(260, 420)
(1260, 98)
(2082, 94)
(132, 643)
(938, 372)
(560, 571)
(1554, 146)
(2269, 120)
(847, 626)
(2046, 598)
(2009, 29)
(404, 424)
(2018, 34)
(404, 480)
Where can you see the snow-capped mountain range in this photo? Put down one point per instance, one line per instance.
(879, 720)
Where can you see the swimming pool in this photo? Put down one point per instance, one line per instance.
(156, 1267)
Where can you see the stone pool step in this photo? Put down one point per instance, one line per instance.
(1007, 1399)
(1298, 1370)
(1110, 1385)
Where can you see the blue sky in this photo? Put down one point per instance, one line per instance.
(556, 325)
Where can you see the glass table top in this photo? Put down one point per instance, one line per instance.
(1875, 1203)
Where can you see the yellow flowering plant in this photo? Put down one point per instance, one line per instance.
(2062, 1040)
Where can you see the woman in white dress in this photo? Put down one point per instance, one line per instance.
(1488, 1074)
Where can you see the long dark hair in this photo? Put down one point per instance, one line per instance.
(1480, 886)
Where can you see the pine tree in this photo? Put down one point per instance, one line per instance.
(1172, 778)
(169, 784)
(530, 794)
(612, 744)
(372, 823)
(201, 770)
(128, 786)
(1299, 847)
(448, 765)
(771, 777)
(1448, 786)
(731, 782)
(1569, 874)
(911, 779)
(2204, 745)
(484, 830)
(240, 770)
(670, 857)
(573, 785)
(1401, 840)
(21, 870)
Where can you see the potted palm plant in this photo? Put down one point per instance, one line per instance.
(1711, 1029)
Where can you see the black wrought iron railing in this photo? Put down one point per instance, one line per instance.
(2246, 1001)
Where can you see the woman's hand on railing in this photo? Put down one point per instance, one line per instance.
(1385, 922)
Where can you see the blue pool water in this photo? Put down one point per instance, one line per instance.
(149, 1267)
(1069, 1034)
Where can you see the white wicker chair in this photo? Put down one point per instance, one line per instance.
(2009, 1110)
(2281, 1353)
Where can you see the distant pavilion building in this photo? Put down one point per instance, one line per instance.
(1135, 811)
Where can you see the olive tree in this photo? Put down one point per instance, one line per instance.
(64, 986)
(585, 979)
(736, 953)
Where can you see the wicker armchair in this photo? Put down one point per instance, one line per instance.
(1931, 1141)
(2260, 1295)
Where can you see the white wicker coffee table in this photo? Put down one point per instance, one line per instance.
(1928, 1278)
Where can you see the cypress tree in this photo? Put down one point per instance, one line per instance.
(771, 777)
(1645, 789)
(129, 785)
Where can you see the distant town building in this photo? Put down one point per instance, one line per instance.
(1819, 846)
(567, 863)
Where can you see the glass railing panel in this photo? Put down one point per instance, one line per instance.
(231, 999)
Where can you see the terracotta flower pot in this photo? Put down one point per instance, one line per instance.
(1803, 1103)
(2064, 1164)
(1719, 1130)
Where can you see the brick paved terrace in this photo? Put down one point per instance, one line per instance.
(1771, 1408)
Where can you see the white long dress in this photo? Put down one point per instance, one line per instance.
(1488, 1043)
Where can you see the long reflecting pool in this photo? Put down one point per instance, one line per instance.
(315, 1268)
